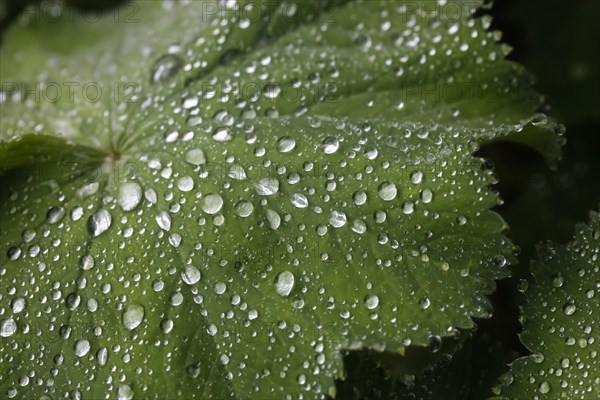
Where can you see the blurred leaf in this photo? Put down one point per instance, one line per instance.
(560, 321)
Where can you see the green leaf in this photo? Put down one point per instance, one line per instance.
(277, 189)
(560, 321)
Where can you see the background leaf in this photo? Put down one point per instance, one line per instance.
(560, 319)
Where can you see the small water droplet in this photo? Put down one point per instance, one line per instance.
(558, 280)
(193, 370)
(424, 303)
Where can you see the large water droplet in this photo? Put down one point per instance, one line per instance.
(190, 102)
(133, 316)
(371, 301)
(222, 134)
(55, 214)
(426, 196)
(330, 145)
(191, 275)
(267, 186)
(8, 327)
(88, 190)
(220, 288)
(130, 195)
(244, 208)
(408, 207)
(195, 157)
(359, 198)
(165, 68)
(102, 356)
(337, 219)
(99, 223)
(18, 305)
(284, 283)
(87, 262)
(359, 226)
(286, 144)
(164, 220)
(81, 347)
(569, 308)
(212, 204)
(237, 172)
(271, 90)
(274, 219)
(299, 200)
(125, 392)
(388, 191)
(185, 184)
(544, 387)
(416, 177)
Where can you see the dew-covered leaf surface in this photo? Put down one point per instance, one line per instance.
(276, 188)
(561, 323)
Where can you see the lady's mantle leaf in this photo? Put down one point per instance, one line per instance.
(281, 186)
